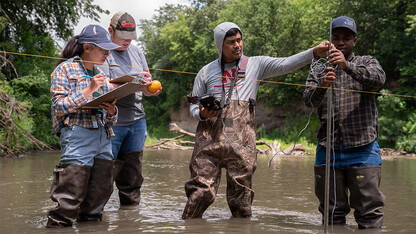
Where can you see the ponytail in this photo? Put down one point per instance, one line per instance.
(72, 49)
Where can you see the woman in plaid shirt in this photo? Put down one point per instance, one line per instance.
(83, 179)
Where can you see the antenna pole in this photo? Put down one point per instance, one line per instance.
(328, 143)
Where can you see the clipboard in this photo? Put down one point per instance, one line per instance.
(122, 79)
(119, 92)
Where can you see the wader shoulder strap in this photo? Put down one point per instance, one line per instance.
(242, 69)
(239, 74)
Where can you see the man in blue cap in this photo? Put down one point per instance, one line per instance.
(355, 159)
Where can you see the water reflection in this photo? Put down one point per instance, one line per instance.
(284, 199)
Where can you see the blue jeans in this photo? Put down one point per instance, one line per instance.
(81, 145)
(367, 155)
(129, 138)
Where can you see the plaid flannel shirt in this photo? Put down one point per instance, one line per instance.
(66, 87)
(354, 108)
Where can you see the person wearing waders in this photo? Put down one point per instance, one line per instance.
(130, 129)
(357, 163)
(83, 180)
(226, 138)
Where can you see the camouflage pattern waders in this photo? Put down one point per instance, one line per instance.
(213, 151)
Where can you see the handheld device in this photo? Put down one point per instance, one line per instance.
(209, 102)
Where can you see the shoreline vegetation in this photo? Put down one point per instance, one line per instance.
(185, 141)
(264, 146)
(25, 101)
(386, 153)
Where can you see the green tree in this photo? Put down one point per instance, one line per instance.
(181, 38)
(34, 90)
(279, 29)
(32, 27)
(15, 124)
(397, 123)
(157, 44)
(386, 30)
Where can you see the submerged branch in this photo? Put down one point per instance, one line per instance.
(13, 135)
(175, 144)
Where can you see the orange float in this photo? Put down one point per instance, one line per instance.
(154, 87)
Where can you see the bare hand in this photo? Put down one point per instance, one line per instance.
(337, 58)
(97, 81)
(207, 113)
(321, 50)
(147, 76)
(146, 92)
(329, 77)
(110, 107)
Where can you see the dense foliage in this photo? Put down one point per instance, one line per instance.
(181, 39)
(32, 27)
(178, 41)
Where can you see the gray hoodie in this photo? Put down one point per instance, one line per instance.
(209, 79)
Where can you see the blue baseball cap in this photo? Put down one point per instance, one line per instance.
(344, 22)
(97, 35)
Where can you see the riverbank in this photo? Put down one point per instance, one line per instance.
(397, 153)
(264, 146)
(385, 153)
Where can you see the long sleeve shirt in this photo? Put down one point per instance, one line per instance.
(67, 83)
(355, 116)
(209, 79)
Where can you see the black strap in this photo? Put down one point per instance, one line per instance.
(230, 90)
(223, 89)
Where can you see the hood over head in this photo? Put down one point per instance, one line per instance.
(219, 35)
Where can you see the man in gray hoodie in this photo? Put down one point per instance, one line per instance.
(226, 133)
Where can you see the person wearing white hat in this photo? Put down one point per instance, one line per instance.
(131, 129)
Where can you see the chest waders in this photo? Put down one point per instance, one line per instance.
(81, 192)
(227, 141)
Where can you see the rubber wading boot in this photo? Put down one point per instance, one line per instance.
(69, 188)
(117, 165)
(100, 188)
(196, 206)
(130, 179)
(342, 208)
(366, 197)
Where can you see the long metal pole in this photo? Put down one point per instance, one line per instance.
(328, 143)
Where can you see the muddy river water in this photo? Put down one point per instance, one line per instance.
(284, 200)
